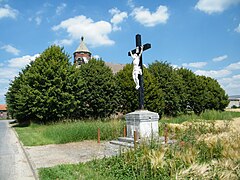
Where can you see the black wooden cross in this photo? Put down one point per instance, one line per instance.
(140, 77)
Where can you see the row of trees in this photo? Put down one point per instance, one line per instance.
(50, 89)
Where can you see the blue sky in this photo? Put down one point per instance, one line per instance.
(201, 35)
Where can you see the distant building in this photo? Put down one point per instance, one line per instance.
(3, 111)
(82, 55)
(234, 101)
(115, 67)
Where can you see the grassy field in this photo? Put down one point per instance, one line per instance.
(207, 115)
(65, 132)
(205, 149)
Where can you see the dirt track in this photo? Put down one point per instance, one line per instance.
(70, 153)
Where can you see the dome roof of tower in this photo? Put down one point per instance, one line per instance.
(82, 47)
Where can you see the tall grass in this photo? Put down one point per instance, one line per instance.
(79, 131)
(65, 132)
(219, 115)
(206, 115)
(179, 119)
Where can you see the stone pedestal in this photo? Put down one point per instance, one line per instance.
(144, 122)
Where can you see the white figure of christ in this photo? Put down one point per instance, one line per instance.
(136, 68)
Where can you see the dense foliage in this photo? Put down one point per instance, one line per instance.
(185, 92)
(128, 99)
(51, 89)
(172, 86)
(46, 89)
(100, 97)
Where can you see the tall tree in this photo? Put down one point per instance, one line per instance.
(202, 92)
(211, 95)
(190, 86)
(100, 98)
(48, 88)
(12, 95)
(171, 84)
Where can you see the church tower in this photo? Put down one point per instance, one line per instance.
(82, 55)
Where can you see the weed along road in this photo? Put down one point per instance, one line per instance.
(13, 162)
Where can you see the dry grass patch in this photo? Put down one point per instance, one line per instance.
(222, 140)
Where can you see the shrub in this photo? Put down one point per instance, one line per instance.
(128, 96)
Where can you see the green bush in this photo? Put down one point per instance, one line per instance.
(128, 96)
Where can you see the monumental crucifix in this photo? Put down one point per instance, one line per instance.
(137, 73)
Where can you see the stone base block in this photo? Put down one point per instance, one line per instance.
(144, 122)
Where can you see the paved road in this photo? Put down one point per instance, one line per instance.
(13, 162)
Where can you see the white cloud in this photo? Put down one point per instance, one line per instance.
(220, 58)
(130, 3)
(3, 91)
(227, 77)
(215, 6)
(47, 4)
(8, 73)
(95, 33)
(237, 77)
(12, 69)
(213, 73)
(38, 20)
(11, 49)
(117, 18)
(60, 8)
(96, 57)
(4, 81)
(21, 62)
(150, 19)
(195, 64)
(237, 29)
(63, 42)
(7, 11)
(234, 66)
(231, 84)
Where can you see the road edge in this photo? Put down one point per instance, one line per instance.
(33, 169)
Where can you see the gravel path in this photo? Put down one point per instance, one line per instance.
(70, 153)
